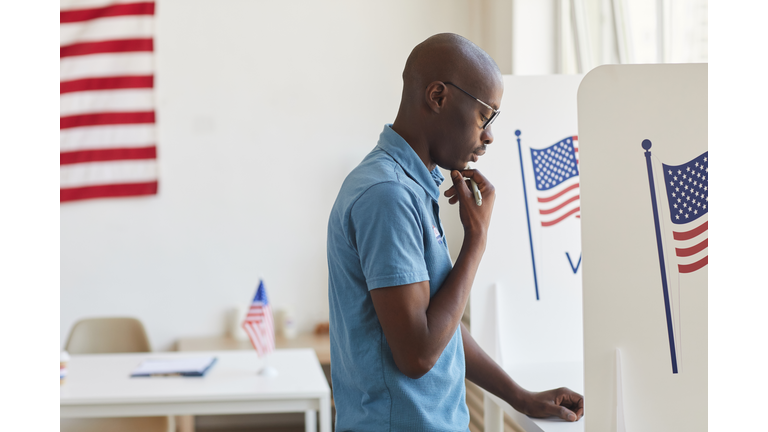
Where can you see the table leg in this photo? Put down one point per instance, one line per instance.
(185, 423)
(325, 414)
(310, 421)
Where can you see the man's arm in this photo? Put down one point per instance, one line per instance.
(418, 329)
(486, 373)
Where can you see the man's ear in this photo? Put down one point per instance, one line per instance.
(435, 95)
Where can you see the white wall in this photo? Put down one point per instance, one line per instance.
(263, 108)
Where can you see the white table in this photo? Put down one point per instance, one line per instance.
(99, 385)
(537, 377)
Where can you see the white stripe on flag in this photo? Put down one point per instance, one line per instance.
(99, 101)
(107, 137)
(258, 339)
(107, 65)
(88, 4)
(692, 242)
(251, 330)
(570, 195)
(111, 172)
(108, 28)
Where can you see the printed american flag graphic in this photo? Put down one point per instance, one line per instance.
(107, 125)
(688, 197)
(258, 323)
(556, 175)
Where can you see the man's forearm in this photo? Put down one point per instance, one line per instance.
(447, 306)
(486, 373)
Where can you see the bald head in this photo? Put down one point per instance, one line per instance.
(437, 117)
(447, 57)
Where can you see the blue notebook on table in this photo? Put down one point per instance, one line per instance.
(186, 366)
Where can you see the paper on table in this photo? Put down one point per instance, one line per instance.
(189, 366)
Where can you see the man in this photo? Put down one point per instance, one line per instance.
(399, 352)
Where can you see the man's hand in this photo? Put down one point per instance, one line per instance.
(561, 402)
(474, 218)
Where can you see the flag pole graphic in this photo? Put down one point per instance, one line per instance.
(527, 214)
(647, 146)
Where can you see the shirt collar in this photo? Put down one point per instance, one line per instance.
(392, 143)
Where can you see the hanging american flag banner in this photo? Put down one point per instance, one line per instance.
(688, 196)
(556, 176)
(107, 125)
(258, 323)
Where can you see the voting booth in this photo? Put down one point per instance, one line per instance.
(645, 203)
(603, 224)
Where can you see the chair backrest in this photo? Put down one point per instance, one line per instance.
(107, 335)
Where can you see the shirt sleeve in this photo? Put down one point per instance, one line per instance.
(388, 234)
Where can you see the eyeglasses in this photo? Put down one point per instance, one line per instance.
(494, 113)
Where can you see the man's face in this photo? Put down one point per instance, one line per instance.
(462, 138)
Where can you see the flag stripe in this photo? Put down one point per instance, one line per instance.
(108, 83)
(106, 172)
(107, 119)
(109, 46)
(107, 65)
(552, 210)
(111, 190)
(550, 223)
(109, 136)
(258, 323)
(690, 268)
(121, 27)
(139, 8)
(81, 156)
(687, 235)
(693, 250)
(559, 194)
(106, 101)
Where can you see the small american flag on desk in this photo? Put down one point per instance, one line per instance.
(258, 323)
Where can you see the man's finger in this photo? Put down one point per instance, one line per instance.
(474, 175)
(572, 400)
(459, 184)
(566, 414)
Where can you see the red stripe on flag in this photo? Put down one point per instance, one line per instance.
(109, 46)
(687, 235)
(77, 15)
(690, 268)
(575, 137)
(134, 153)
(112, 190)
(693, 250)
(569, 188)
(109, 83)
(107, 119)
(552, 210)
(561, 218)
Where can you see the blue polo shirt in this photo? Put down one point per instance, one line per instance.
(384, 230)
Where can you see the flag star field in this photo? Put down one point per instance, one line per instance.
(554, 164)
(688, 189)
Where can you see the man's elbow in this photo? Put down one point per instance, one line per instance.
(416, 367)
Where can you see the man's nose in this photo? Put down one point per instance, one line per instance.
(487, 136)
